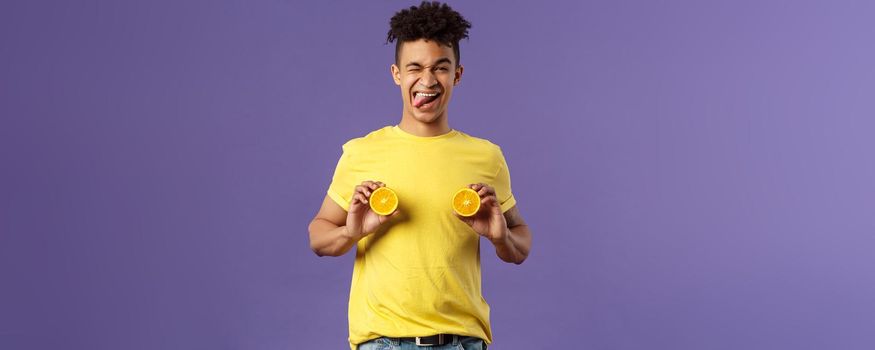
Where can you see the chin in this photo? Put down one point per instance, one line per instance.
(427, 117)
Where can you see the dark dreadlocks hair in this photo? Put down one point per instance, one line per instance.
(431, 20)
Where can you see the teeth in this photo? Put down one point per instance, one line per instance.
(425, 94)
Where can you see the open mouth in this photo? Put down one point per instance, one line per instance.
(425, 100)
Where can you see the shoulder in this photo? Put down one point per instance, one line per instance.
(363, 142)
(483, 145)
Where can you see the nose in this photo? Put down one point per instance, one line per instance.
(427, 79)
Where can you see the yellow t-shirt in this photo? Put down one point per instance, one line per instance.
(419, 274)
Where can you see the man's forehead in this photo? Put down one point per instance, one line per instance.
(427, 61)
(426, 53)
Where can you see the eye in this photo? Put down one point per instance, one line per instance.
(444, 69)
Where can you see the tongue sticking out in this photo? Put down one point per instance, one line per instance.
(420, 100)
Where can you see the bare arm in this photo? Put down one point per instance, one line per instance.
(515, 244)
(334, 231)
(328, 236)
(508, 232)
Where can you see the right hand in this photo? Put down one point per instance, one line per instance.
(360, 219)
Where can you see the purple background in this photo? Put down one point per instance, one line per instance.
(696, 175)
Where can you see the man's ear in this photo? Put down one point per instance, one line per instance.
(458, 75)
(396, 74)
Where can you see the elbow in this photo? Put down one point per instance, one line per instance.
(319, 251)
(523, 257)
(316, 249)
(324, 240)
(322, 251)
(519, 261)
(516, 260)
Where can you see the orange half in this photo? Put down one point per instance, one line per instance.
(466, 202)
(383, 201)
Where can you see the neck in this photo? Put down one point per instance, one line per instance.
(436, 128)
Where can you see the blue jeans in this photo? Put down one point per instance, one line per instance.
(462, 343)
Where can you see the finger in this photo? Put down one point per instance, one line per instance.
(364, 190)
(393, 215)
(474, 187)
(369, 184)
(361, 198)
(486, 190)
(388, 215)
(380, 184)
(383, 218)
(466, 220)
(489, 201)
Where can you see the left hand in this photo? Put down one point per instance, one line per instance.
(489, 221)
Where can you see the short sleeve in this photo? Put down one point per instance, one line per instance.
(501, 184)
(343, 182)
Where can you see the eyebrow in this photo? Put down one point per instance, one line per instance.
(442, 60)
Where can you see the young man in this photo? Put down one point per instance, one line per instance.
(416, 276)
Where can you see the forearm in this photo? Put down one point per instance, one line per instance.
(328, 239)
(514, 248)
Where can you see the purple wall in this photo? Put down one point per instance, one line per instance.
(697, 176)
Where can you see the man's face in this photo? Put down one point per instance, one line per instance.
(426, 72)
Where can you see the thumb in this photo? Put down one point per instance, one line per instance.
(466, 220)
(395, 214)
(385, 218)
